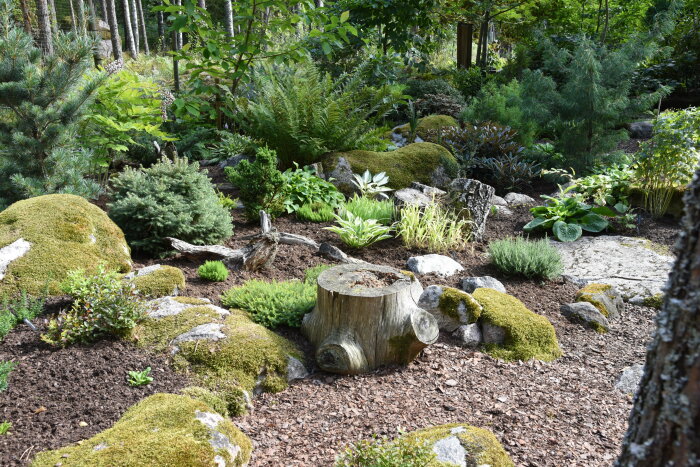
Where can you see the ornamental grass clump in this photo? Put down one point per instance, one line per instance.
(368, 208)
(533, 259)
(433, 228)
(214, 271)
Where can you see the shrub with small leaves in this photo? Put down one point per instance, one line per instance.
(380, 452)
(302, 186)
(213, 271)
(14, 310)
(533, 259)
(103, 306)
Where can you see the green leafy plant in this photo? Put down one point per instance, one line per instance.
(226, 201)
(103, 306)
(545, 155)
(381, 452)
(302, 186)
(231, 145)
(261, 185)
(139, 378)
(169, 199)
(510, 172)
(568, 217)
(13, 310)
(316, 212)
(609, 187)
(433, 228)
(533, 259)
(5, 368)
(670, 158)
(5, 427)
(371, 185)
(357, 232)
(303, 114)
(275, 303)
(368, 208)
(214, 271)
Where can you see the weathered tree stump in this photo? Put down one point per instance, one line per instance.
(366, 316)
(474, 197)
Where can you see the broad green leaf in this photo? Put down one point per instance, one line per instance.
(593, 222)
(566, 232)
(604, 211)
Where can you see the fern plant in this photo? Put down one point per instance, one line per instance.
(302, 113)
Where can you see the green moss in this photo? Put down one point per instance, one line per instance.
(450, 300)
(66, 233)
(426, 124)
(528, 335)
(161, 282)
(156, 333)
(597, 327)
(161, 430)
(409, 274)
(208, 397)
(229, 366)
(655, 301)
(591, 293)
(191, 301)
(482, 447)
(414, 162)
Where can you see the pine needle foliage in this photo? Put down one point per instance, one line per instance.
(41, 100)
(303, 114)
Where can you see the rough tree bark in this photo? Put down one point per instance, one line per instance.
(474, 197)
(25, 16)
(366, 316)
(130, 44)
(114, 29)
(665, 421)
(142, 25)
(45, 38)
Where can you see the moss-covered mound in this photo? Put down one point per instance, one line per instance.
(426, 163)
(249, 359)
(459, 305)
(527, 334)
(66, 233)
(426, 124)
(164, 281)
(162, 430)
(480, 446)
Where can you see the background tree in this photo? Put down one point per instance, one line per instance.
(114, 29)
(664, 425)
(45, 36)
(128, 31)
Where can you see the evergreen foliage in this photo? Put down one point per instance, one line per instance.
(41, 100)
(213, 271)
(533, 259)
(169, 199)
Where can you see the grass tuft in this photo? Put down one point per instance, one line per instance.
(533, 259)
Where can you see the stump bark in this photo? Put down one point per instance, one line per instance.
(475, 197)
(365, 317)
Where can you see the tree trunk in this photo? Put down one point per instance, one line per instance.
(45, 38)
(475, 198)
(142, 23)
(81, 17)
(161, 30)
(54, 18)
(103, 5)
(464, 44)
(95, 33)
(73, 19)
(228, 17)
(178, 34)
(128, 32)
(114, 29)
(25, 16)
(135, 25)
(664, 426)
(202, 4)
(365, 317)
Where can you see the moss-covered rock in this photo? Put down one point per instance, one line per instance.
(66, 233)
(602, 296)
(526, 334)
(655, 301)
(451, 307)
(162, 430)
(160, 282)
(158, 333)
(426, 163)
(475, 446)
(426, 124)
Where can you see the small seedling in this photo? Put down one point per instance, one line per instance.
(5, 427)
(5, 369)
(140, 378)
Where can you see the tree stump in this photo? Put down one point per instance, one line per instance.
(366, 316)
(475, 197)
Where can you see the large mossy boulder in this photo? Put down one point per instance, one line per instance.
(158, 281)
(463, 445)
(225, 352)
(61, 233)
(426, 163)
(427, 124)
(511, 331)
(162, 430)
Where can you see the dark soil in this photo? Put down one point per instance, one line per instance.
(58, 397)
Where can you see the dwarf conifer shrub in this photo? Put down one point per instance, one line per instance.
(533, 259)
(169, 199)
(213, 271)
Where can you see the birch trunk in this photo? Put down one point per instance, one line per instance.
(135, 25)
(228, 17)
(130, 44)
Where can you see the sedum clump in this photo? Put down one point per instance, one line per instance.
(213, 271)
(169, 199)
(533, 259)
(380, 452)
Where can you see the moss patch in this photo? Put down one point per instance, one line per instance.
(208, 397)
(161, 282)
(159, 431)
(191, 301)
(414, 162)
(591, 293)
(482, 447)
(655, 301)
(426, 124)
(66, 233)
(157, 333)
(528, 335)
(450, 301)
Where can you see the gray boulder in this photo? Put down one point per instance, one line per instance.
(429, 191)
(492, 334)
(641, 130)
(295, 369)
(518, 199)
(434, 264)
(500, 212)
(498, 201)
(469, 335)
(208, 332)
(586, 314)
(629, 380)
(475, 198)
(605, 298)
(470, 284)
(12, 252)
(411, 197)
(459, 309)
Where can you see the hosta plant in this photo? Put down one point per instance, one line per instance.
(357, 232)
(370, 185)
(568, 217)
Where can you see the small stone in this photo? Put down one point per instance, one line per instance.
(587, 314)
(12, 252)
(451, 382)
(83, 424)
(641, 130)
(430, 191)
(629, 380)
(469, 335)
(450, 450)
(518, 199)
(209, 332)
(498, 201)
(411, 197)
(492, 334)
(295, 369)
(499, 212)
(470, 284)
(604, 297)
(436, 264)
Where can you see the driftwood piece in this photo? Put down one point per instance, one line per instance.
(256, 255)
(366, 316)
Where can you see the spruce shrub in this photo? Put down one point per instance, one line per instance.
(261, 185)
(213, 271)
(533, 259)
(169, 199)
